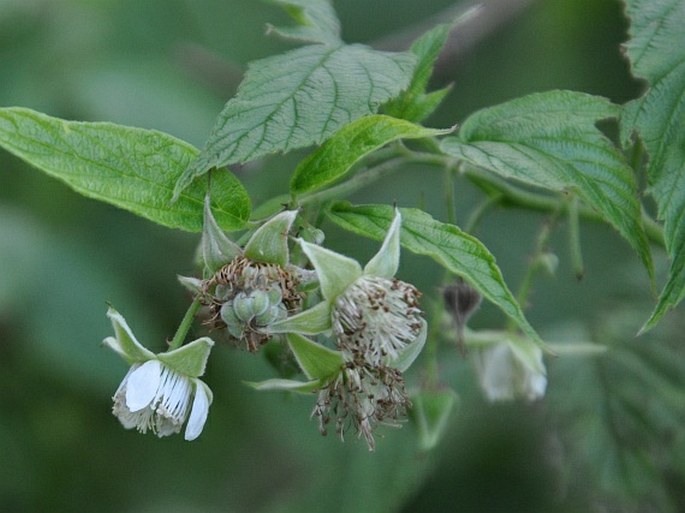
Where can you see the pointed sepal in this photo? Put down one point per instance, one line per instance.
(191, 284)
(124, 342)
(289, 385)
(315, 360)
(335, 271)
(430, 412)
(410, 352)
(310, 322)
(217, 248)
(270, 242)
(190, 359)
(385, 263)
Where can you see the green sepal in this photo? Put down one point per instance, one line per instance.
(190, 359)
(217, 248)
(310, 322)
(289, 385)
(270, 242)
(430, 412)
(335, 271)
(315, 360)
(386, 262)
(526, 350)
(190, 283)
(411, 351)
(125, 343)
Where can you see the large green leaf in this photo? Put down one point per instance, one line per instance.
(300, 98)
(351, 143)
(550, 140)
(657, 53)
(452, 248)
(131, 168)
(316, 21)
(414, 104)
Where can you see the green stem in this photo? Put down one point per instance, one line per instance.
(355, 183)
(574, 239)
(514, 196)
(449, 194)
(183, 328)
(533, 265)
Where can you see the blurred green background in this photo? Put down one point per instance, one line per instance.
(607, 437)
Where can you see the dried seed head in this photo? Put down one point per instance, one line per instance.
(361, 397)
(245, 296)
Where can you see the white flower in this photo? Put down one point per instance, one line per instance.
(511, 369)
(154, 397)
(160, 391)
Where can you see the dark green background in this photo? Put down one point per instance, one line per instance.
(608, 434)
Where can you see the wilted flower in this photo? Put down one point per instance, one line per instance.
(378, 330)
(362, 396)
(248, 289)
(247, 297)
(160, 392)
(511, 368)
(369, 310)
(377, 317)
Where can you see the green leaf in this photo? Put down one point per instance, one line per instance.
(414, 104)
(315, 360)
(656, 51)
(270, 242)
(430, 412)
(289, 385)
(300, 98)
(190, 359)
(131, 168)
(455, 250)
(550, 140)
(350, 144)
(317, 21)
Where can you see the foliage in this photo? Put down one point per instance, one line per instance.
(349, 339)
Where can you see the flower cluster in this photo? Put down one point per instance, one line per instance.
(378, 330)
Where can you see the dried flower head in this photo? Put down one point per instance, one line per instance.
(361, 397)
(377, 317)
(245, 297)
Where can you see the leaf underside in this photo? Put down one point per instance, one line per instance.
(132, 168)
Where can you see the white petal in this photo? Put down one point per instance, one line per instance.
(142, 385)
(199, 411)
